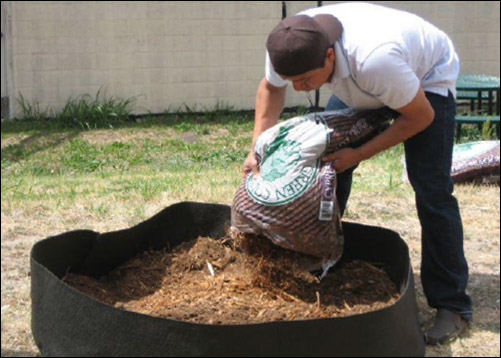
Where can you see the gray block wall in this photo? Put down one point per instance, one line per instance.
(171, 55)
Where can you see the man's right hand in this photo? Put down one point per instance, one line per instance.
(250, 165)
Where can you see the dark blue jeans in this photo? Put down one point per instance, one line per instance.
(428, 155)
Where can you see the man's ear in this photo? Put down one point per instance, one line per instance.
(331, 54)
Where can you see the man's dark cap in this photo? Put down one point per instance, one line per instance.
(298, 44)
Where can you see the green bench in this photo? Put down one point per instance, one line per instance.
(480, 120)
(471, 97)
(480, 88)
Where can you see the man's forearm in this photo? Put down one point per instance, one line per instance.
(269, 104)
(415, 117)
(399, 131)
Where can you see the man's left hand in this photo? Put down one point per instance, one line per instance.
(344, 159)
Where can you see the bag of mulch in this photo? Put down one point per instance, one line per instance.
(472, 162)
(292, 201)
(476, 161)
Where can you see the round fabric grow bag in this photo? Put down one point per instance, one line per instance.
(66, 322)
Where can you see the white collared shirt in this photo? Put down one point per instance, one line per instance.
(383, 56)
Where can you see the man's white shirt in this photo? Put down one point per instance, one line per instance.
(383, 56)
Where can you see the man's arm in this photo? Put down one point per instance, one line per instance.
(416, 116)
(269, 104)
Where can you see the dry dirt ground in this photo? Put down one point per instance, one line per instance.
(23, 226)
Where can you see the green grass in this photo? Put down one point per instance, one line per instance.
(64, 163)
(48, 142)
(74, 155)
(83, 112)
(474, 132)
(62, 167)
(106, 171)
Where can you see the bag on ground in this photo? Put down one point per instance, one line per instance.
(476, 161)
(472, 162)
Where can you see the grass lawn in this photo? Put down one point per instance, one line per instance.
(56, 179)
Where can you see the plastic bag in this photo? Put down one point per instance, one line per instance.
(475, 161)
(292, 201)
(471, 162)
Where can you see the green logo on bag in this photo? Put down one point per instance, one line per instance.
(288, 165)
(280, 157)
(467, 151)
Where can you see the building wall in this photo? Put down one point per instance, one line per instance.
(4, 71)
(196, 54)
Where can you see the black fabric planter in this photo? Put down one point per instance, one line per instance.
(68, 323)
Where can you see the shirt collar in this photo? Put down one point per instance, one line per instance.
(341, 69)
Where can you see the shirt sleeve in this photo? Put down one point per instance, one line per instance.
(271, 76)
(387, 75)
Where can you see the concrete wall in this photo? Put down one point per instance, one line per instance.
(199, 53)
(4, 59)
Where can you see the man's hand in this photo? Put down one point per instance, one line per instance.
(416, 116)
(250, 165)
(344, 159)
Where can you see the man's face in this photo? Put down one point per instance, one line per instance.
(316, 78)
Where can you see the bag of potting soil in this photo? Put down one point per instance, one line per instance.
(476, 161)
(292, 201)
